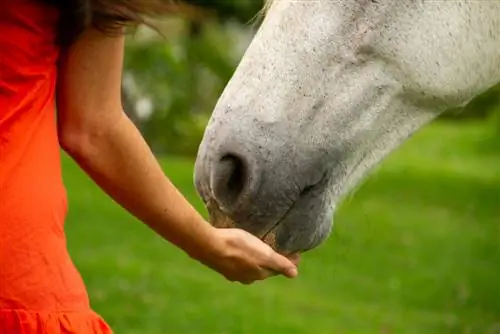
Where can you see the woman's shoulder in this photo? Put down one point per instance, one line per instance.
(28, 48)
(28, 27)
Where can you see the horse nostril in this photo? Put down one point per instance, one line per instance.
(237, 174)
(229, 179)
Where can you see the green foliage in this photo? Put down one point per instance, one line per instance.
(414, 251)
(241, 10)
(183, 76)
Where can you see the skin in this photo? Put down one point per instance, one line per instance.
(96, 133)
(323, 93)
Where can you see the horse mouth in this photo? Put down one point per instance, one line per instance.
(286, 223)
(269, 236)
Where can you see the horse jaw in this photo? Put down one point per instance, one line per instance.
(324, 92)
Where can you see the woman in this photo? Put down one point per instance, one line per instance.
(75, 48)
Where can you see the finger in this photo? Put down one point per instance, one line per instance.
(265, 273)
(282, 265)
(270, 272)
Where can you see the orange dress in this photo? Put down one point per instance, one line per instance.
(40, 289)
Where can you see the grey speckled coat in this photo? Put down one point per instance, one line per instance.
(324, 92)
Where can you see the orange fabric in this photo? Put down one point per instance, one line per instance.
(40, 289)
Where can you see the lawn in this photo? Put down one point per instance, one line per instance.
(415, 250)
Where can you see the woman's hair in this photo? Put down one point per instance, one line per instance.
(109, 16)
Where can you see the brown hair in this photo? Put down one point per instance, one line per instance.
(109, 16)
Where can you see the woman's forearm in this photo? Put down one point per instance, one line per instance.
(117, 158)
(95, 131)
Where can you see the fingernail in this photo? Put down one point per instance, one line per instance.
(292, 272)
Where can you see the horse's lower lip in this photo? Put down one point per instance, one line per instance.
(268, 236)
(294, 257)
(278, 223)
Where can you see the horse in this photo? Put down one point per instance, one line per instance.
(324, 92)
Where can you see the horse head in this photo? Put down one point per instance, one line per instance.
(325, 90)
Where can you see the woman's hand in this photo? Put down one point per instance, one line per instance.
(240, 256)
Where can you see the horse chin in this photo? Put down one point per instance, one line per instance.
(305, 226)
(301, 230)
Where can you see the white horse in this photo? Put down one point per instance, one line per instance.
(324, 92)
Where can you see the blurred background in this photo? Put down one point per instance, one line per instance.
(415, 250)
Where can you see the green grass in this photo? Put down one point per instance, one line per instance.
(415, 250)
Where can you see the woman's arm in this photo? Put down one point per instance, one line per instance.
(98, 135)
